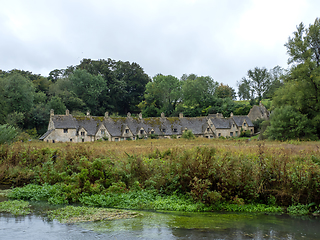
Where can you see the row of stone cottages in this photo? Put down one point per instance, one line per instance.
(68, 128)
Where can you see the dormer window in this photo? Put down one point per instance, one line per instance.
(65, 130)
(244, 124)
(163, 130)
(175, 130)
(141, 131)
(82, 133)
(208, 129)
(152, 132)
(127, 130)
(103, 132)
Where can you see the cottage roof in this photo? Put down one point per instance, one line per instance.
(239, 120)
(64, 121)
(90, 124)
(46, 134)
(221, 122)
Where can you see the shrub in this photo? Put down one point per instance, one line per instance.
(188, 135)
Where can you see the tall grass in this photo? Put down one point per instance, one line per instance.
(208, 171)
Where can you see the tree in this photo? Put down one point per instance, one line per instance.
(276, 75)
(244, 89)
(161, 95)
(259, 80)
(199, 91)
(57, 105)
(7, 133)
(18, 93)
(88, 88)
(301, 88)
(224, 91)
(134, 83)
(288, 123)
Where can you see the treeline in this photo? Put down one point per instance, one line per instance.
(107, 85)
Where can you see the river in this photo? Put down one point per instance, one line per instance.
(163, 225)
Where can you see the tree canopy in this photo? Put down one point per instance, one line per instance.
(302, 82)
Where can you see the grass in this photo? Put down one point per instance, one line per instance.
(164, 174)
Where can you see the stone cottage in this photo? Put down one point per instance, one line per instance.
(68, 128)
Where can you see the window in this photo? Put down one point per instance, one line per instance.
(208, 129)
(127, 130)
(219, 134)
(207, 136)
(116, 139)
(82, 140)
(232, 125)
(70, 139)
(175, 130)
(231, 134)
(52, 141)
(103, 132)
(152, 132)
(236, 133)
(122, 139)
(163, 130)
(141, 131)
(82, 133)
(244, 124)
(65, 130)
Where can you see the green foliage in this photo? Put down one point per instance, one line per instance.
(300, 209)
(57, 105)
(288, 123)
(302, 83)
(16, 207)
(224, 91)
(7, 133)
(188, 135)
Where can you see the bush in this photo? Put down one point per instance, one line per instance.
(188, 135)
(7, 133)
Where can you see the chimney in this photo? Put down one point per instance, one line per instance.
(140, 116)
(67, 112)
(180, 115)
(128, 114)
(88, 113)
(106, 114)
(51, 113)
(231, 114)
(162, 115)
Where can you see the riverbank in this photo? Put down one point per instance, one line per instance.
(182, 175)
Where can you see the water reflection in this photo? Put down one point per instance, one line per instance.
(168, 225)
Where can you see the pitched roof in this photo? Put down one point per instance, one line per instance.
(239, 120)
(46, 134)
(64, 121)
(221, 122)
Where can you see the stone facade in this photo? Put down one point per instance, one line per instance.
(68, 128)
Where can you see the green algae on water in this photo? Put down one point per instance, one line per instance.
(72, 214)
(16, 207)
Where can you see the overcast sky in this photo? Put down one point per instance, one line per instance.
(219, 38)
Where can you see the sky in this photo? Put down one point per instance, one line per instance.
(222, 39)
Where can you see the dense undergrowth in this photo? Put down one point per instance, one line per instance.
(216, 175)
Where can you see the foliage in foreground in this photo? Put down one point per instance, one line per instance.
(195, 179)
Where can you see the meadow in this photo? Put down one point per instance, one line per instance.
(180, 174)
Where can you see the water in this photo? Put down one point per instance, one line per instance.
(164, 225)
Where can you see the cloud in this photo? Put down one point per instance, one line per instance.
(222, 39)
